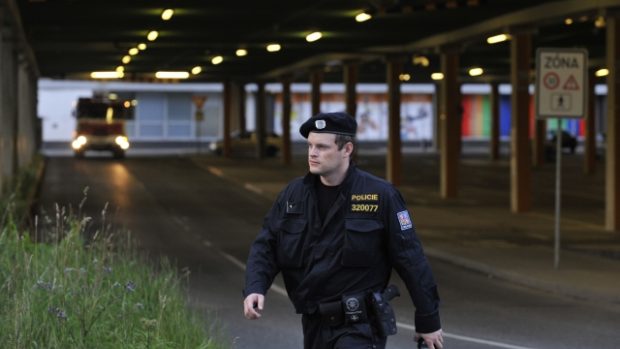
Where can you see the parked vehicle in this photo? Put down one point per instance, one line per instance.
(568, 140)
(101, 126)
(246, 142)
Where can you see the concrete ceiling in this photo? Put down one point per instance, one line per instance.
(71, 38)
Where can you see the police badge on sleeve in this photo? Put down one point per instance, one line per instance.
(404, 220)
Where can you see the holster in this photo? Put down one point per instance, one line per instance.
(383, 312)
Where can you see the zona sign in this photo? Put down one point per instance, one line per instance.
(561, 82)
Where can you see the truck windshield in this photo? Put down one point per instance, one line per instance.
(102, 110)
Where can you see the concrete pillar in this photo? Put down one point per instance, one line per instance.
(589, 151)
(612, 140)
(228, 100)
(495, 119)
(27, 118)
(540, 130)
(520, 171)
(261, 120)
(242, 100)
(316, 78)
(394, 155)
(287, 157)
(449, 125)
(8, 110)
(350, 82)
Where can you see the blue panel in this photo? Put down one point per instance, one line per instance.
(504, 116)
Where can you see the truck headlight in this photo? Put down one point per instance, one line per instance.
(79, 142)
(122, 142)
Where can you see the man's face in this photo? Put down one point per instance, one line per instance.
(324, 158)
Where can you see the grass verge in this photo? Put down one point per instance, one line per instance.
(70, 291)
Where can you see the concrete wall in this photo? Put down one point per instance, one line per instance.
(17, 103)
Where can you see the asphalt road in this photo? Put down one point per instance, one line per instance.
(202, 221)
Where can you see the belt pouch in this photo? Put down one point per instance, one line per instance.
(354, 308)
(331, 313)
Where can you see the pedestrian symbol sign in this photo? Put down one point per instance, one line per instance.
(561, 82)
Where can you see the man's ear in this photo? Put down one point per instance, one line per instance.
(348, 149)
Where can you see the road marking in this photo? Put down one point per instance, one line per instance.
(281, 291)
(275, 288)
(468, 339)
(216, 171)
(251, 187)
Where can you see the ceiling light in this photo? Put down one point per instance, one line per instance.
(120, 69)
(126, 59)
(404, 77)
(437, 76)
(568, 21)
(172, 75)
(362, 17)
(196, 70)
(142, 46)
(599, 22)
(421, 60)
(497, 38)
(274, 47)
(167, 14)
(112, 96)
(106, 75)
(152, 35)
(476, 71)
(312, 37)
(602, 72)
(133, 51)
(241, 52)
(217, 60)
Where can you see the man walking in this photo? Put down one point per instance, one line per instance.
(335, 235)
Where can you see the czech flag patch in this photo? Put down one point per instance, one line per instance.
(404, 220)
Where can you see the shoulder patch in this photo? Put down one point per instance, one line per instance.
(404, 220)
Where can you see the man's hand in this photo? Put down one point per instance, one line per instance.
(253, 305)
(433, 340)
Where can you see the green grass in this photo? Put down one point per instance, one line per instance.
(68, 291)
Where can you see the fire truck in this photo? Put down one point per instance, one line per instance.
(101, 126)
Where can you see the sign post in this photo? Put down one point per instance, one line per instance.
(561, 83)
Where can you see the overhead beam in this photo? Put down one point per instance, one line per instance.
(536, 15)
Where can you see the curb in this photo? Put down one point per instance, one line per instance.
(523, 279)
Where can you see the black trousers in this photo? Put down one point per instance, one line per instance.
(319, 335)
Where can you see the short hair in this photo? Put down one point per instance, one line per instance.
(341, 140)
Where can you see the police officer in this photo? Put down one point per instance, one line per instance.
(335, 235)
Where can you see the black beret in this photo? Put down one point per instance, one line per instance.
(339, 123)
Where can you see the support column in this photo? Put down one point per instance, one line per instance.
(540, 130)
(589, 142)
(394, 155)
(242, 101)
(316, 78)
(520, 172)
(612, 140)
(350, 82)
(449, 124)
(495, 119)
(261, 120)
(286, 121)
(226, 147)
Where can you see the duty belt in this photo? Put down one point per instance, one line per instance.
(361, 307)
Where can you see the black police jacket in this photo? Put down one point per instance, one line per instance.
(366, 233)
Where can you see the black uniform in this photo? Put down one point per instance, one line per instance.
(366, 232)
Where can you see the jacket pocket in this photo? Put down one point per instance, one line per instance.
(290, 244)
(362, 244)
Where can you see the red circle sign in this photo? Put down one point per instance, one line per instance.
(551, 80)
